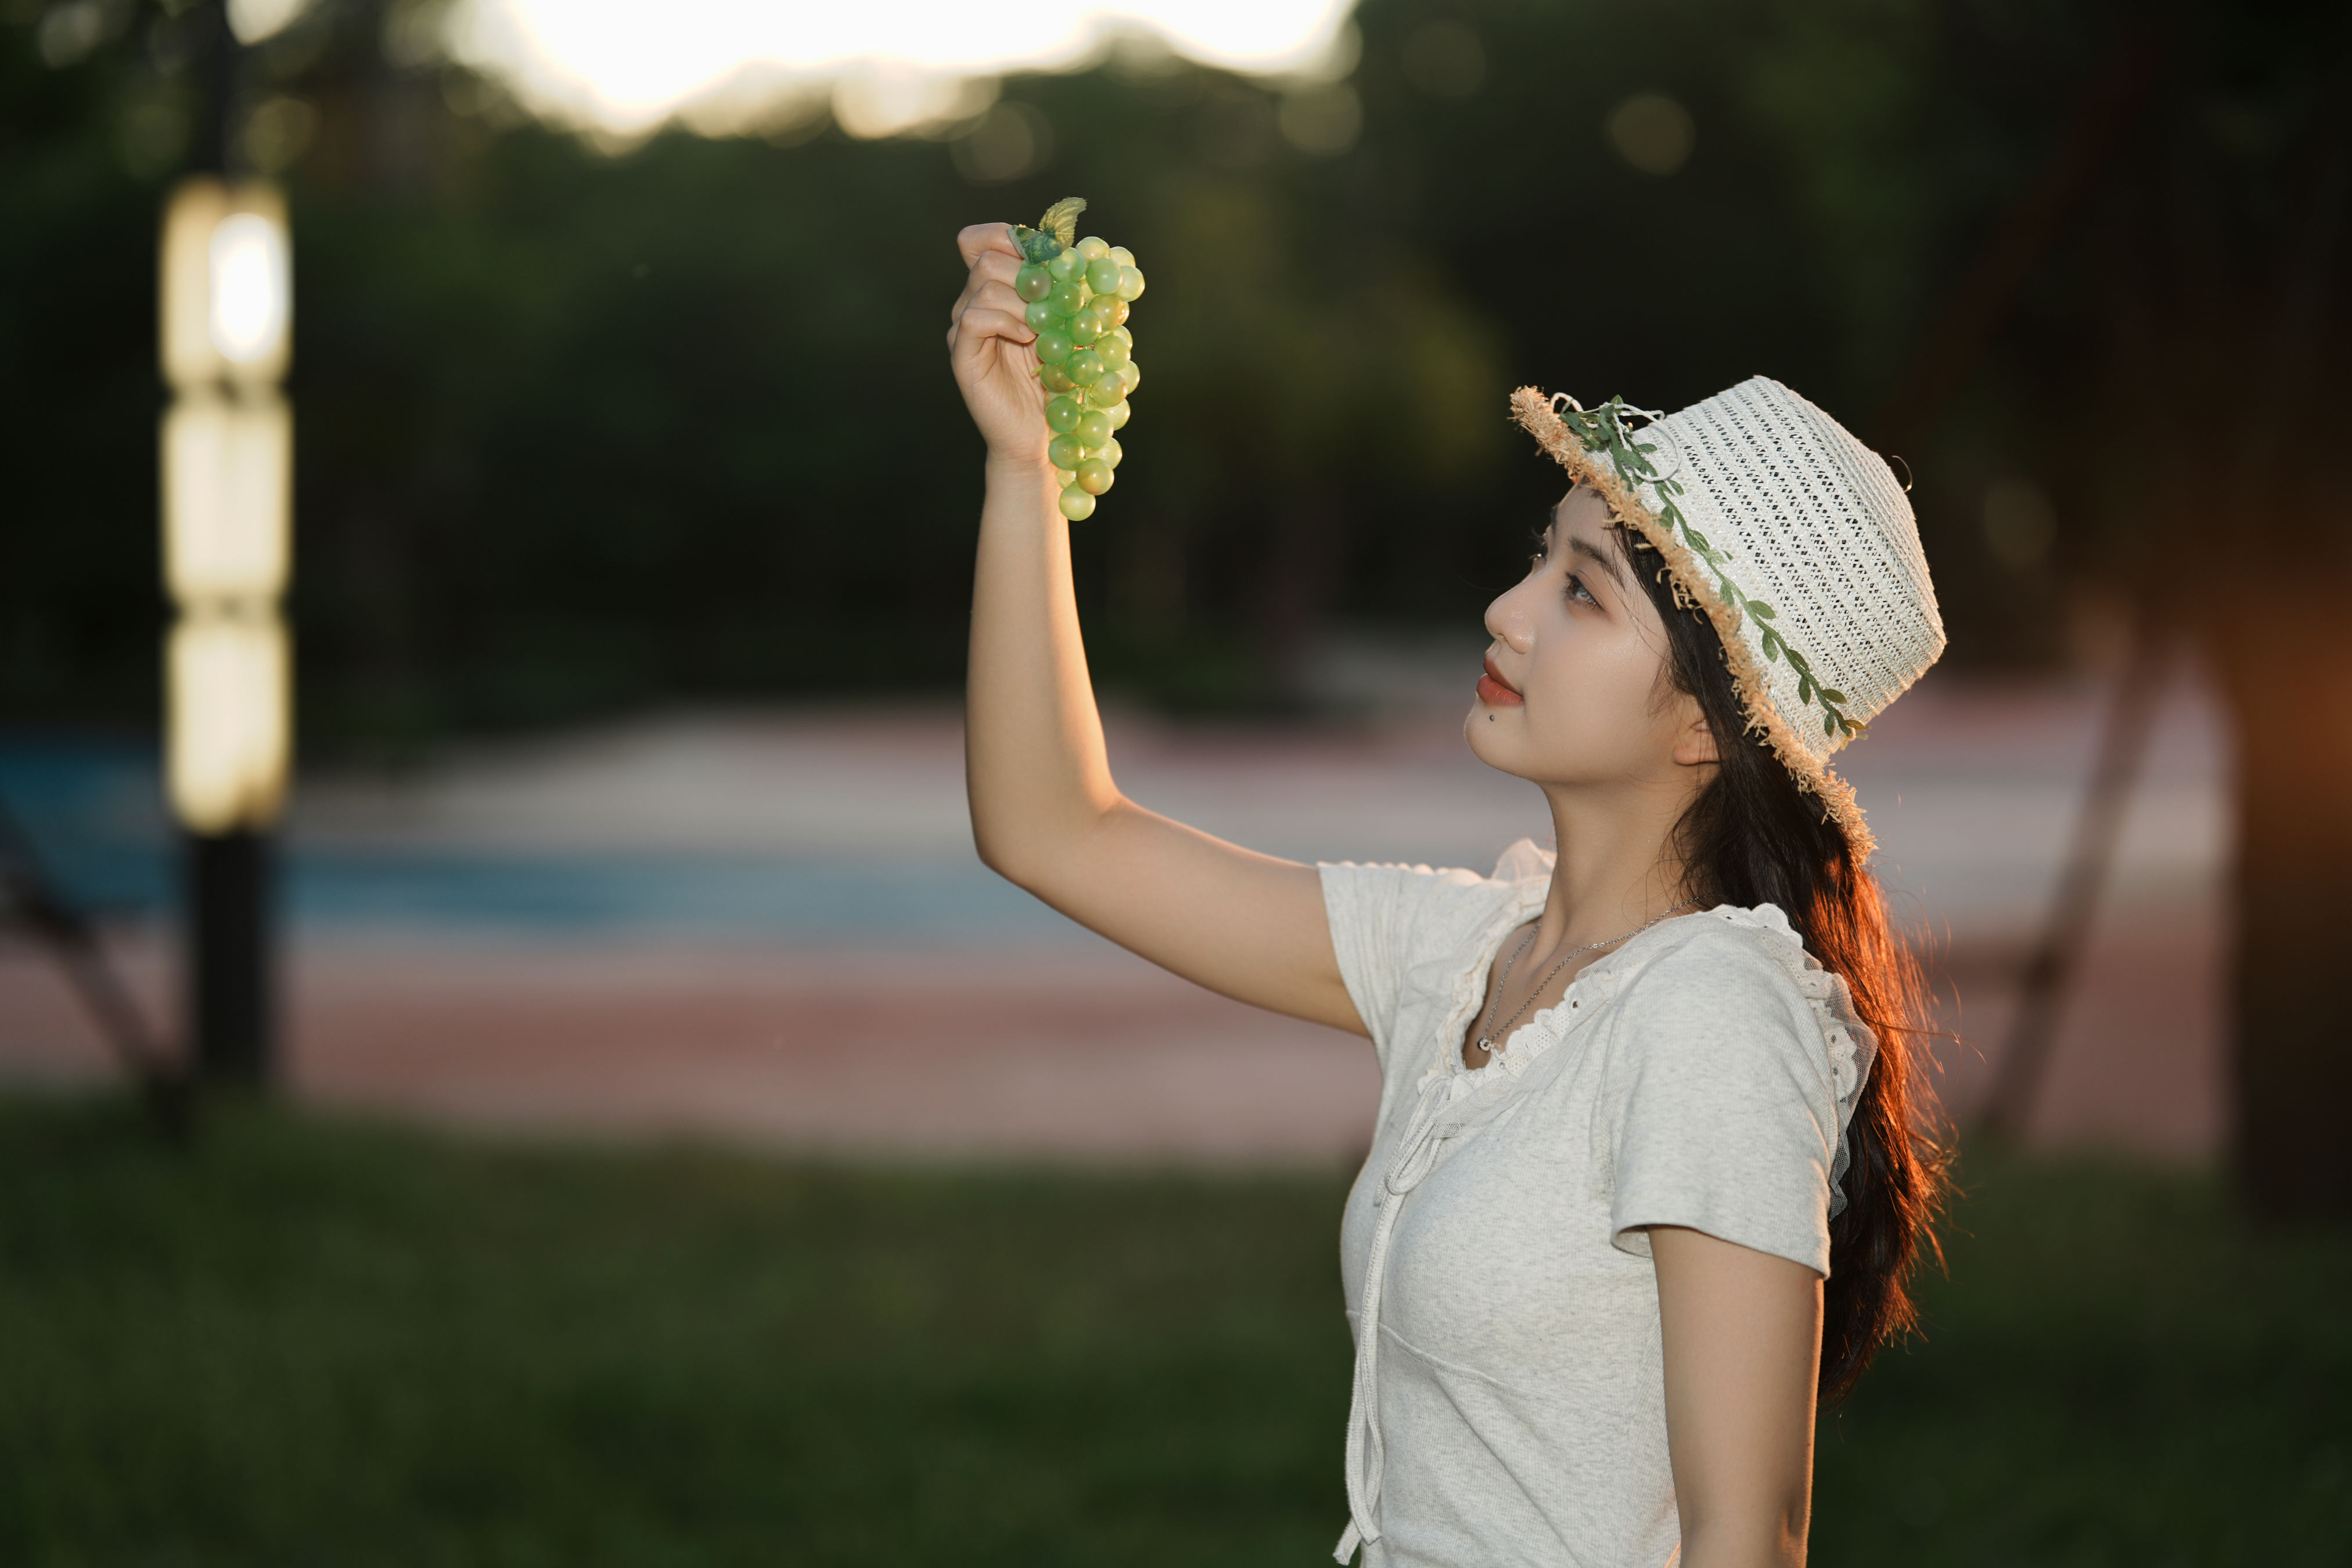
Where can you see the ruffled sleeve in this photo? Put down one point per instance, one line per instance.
(1723, 1093)
(1384, 921)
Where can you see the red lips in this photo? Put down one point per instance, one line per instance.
(1494, 691)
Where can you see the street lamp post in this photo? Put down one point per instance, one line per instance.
(227, 471)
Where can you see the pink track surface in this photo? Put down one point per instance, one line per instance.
(1090, 1055)
(1072, 1049)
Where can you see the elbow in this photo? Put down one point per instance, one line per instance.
(1012, 856)
(996, 855)
(1036, 854)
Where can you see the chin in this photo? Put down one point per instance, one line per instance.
(1488, 742)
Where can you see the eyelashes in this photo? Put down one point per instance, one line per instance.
(1574, 589)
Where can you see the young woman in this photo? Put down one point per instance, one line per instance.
(1647, 1180)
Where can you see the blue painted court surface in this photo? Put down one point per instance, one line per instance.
(94, 810)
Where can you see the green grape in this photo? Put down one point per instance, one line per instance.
(1078, 297)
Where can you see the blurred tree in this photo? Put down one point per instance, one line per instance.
(2221, 413)
(2165, 369)
(578, 429)
(581, 429)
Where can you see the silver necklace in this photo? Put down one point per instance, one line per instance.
(1486, 1036)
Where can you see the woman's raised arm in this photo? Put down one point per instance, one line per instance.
(1045, 811)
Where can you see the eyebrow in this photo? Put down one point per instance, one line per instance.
(1608, 565)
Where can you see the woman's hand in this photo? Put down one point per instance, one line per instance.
(989, 347)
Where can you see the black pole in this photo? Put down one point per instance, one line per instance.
(232, 1012)
(212, 150)
(32, 898)
(231, 994)
(2057, 958)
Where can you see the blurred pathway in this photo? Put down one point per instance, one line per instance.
(772, 927)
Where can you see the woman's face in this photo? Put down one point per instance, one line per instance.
(1576, 691)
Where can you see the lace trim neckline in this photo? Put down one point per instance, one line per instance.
(1522, 1047)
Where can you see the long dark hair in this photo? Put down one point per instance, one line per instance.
(1752, 837)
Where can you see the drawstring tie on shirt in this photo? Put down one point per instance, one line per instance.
(1415, 1157)
(1452, 1106)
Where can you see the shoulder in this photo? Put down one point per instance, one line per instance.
(1428, 910)
(1726, 953)
(1392, 918)
(1407, 931)
(1728, 983)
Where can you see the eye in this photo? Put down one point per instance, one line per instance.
(1576, 590)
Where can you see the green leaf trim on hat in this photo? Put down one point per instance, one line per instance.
(1602, 430)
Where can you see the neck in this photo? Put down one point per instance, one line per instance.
(1617, 868)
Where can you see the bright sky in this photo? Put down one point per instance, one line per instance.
(626, 65)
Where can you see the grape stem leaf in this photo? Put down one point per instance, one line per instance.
(1055, 233)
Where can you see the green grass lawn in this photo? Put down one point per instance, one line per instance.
(311, 1341)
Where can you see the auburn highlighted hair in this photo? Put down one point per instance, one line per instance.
(1753, 836)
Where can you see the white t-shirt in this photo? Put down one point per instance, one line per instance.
(1510, 1405)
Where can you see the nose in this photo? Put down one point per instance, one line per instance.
(1508, 622)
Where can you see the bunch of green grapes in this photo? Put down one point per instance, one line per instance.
(1078, 293)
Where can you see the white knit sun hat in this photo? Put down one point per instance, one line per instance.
(1792, 537)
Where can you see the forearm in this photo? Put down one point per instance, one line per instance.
(1742, 1545)
(1034, 766)
(1740, 1332)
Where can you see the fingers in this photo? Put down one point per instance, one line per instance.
(967, 338)
(983, 238)
(998, 267)
(996, 297)
(989, 293)
(993, 266)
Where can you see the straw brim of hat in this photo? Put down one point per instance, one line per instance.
(1533, 410)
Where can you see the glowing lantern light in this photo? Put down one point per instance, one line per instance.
(228, 293)
(227, 481)
(227, 450)
(250, 297)
(229, 735)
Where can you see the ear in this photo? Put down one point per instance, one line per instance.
(1693, 737)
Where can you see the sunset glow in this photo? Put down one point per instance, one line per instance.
(625, 68)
